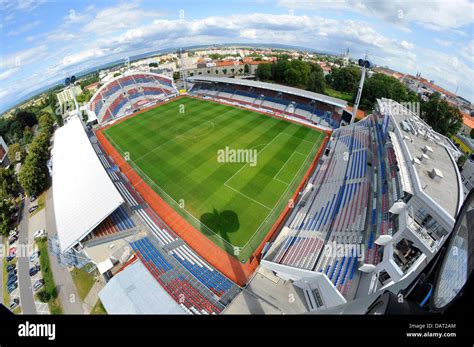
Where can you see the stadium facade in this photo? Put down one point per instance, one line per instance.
(375, 210)
(320, 110)
(379, 206)
(129, 93)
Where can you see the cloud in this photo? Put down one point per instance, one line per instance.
(92, 37)
(435, 15)
(8, 73)
(443, 43)
(24, 57)
(24, 28)
(121, 17)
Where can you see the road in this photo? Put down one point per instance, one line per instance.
(67, 292)
(24, 281)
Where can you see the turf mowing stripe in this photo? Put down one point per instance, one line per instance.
(284, 165)
(183, 162)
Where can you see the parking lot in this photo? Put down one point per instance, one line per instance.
(22, 252)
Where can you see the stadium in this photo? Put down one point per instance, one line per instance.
(156, 210)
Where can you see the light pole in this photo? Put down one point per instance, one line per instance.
(364, 63)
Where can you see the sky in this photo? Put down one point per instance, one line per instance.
(43, 41)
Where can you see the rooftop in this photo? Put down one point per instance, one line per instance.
(83, 193)
(272, 86)
(444, 189)
(135, 291)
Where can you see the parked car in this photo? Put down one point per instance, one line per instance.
(37, 285)
(12, 239)
(10, 257)
(13, 232)
(12, 287)
(14, 303)
(12, 250)
(12, 272)
(11, 267)
(12, 280)
(32, 198)
(39, 234)
(33, 209)
(34, 256)
(34, 270)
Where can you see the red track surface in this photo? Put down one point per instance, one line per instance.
(216, 256)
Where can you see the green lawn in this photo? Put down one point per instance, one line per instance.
(49, 110)
(233, 203)
(340, 95)
(83, 281)
(49, 286)
(98, 308)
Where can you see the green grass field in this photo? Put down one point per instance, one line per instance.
(232, 203)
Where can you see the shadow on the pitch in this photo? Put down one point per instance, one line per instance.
(222, 223)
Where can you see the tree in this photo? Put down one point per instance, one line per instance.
(26, 118)
(46, 123)
(84, 97)
(15, 152)
(34, 171)
(292, 77)
(383, 86)
(15, 131)
(33, 174)
(27, 135)
(316, 81)
(472, 134)
(224, 71)
(5, 222)
(345, 79)
(441, 116)
(8, 183)
(264, 72)
(246, 68)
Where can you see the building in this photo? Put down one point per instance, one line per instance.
(467, 174)
(3, 153)
(89, 210)
(68, 93)
(92, 86)
(377, 209)
(135, 291)
(320, 110)
(468, 123)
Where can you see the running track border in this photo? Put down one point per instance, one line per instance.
(231, 267)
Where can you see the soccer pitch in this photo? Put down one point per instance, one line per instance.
(190, 152)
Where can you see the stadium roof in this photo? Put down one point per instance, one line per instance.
(83, 193)
(135, 291)
(272, 86)
(446, 192)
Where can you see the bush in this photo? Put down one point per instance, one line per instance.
(44, 296)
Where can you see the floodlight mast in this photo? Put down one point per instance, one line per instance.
(72, 80)
(183, 73)
(364, 63)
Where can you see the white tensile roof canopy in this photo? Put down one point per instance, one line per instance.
(83, 193)
(135, 291)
